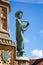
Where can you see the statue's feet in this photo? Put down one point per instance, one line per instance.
(20, 53)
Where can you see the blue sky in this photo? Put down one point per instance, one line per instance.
(33, 37)
(29, 1)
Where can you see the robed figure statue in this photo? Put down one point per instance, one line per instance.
(21, 26)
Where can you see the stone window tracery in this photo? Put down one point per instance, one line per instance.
(3, 18)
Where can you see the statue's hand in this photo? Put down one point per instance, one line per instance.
(27, 23)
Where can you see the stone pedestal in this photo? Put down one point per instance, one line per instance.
(22, 60)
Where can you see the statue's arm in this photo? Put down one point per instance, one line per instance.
(19, 21)
(24, 29)
(25, 26)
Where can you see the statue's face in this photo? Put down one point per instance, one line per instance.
(20, 16)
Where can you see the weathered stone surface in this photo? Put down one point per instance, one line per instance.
(7, 46)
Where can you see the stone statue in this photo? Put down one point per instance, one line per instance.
(21, 26)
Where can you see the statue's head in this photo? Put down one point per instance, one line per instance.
(19, 14)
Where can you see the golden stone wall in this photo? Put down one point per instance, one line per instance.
(11, 51)
(2, 61)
